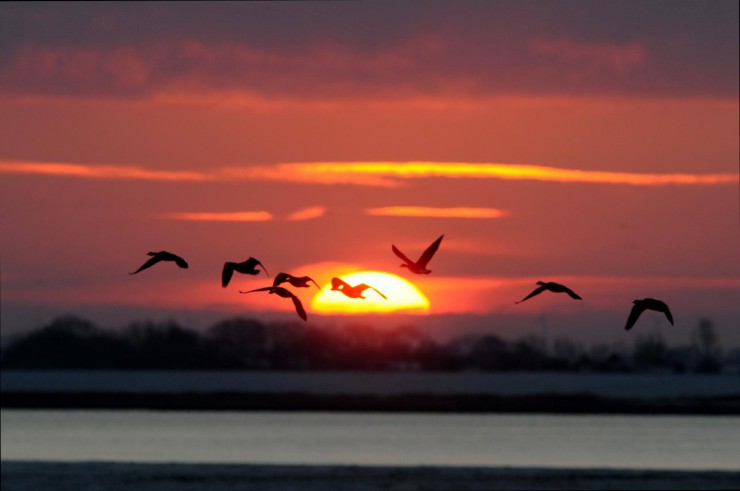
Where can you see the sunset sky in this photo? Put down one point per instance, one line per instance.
(590, 143)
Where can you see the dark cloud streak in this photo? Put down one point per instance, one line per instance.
(370, 49)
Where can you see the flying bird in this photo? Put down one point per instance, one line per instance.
(420, 266)
(647, 304)
(162, 256)
(246, 267)
(352, 291)
(553, 287)
(296, 281)
(282, 292)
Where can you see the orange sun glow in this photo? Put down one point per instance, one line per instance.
(402, 296)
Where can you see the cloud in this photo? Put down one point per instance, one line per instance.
(427, 211)
(391, 174)
(386, 174)
(113, 172)
(238, 216)
(307, 213)
(245, 216)
(618, 57)
(370, 51)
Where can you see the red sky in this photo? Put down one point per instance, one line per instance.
(593, 144)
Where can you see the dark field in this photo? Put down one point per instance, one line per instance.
(27, 476)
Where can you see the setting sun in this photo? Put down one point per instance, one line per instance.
(402, 295)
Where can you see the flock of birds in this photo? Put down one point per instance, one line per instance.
(356, 291)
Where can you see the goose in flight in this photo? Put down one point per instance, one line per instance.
(646, 304)
(420, 266)
(282, 292)
(553, 287)
(246, 267)
(162, 256)
(296, 281)
(352, 291)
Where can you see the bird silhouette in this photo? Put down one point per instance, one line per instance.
(646, 304)
(352, 291)
(553, 287)
(282, 292)
(296, 281)
(162, 256)
(246, 267)
(420, 266)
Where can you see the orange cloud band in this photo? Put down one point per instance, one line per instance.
(307, 213)
(239, 216)
(384, 172)
(426, 211)
(100, 171)
(388, 174)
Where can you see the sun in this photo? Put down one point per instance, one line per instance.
(402, 296)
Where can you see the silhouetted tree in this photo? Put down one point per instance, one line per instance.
(530, 353)
(650, 352)
(165, 346)
(238, 343)
(567, 353)
(68, 342)
(705, 341)
(247, 344)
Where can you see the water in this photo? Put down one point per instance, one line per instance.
(377, 383)
(554, 441)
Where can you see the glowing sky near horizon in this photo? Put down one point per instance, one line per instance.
(599, 150)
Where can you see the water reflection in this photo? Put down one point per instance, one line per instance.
(637, 442)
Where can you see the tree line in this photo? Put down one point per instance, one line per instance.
(71, 342)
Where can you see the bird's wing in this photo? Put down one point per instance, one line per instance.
(637, 309)
(180, 262)
(299, 308)
(572, 293)
(281, 278)
(151, 262)
(401, 255)
(337, 282)
(227, 273)
(263, 268)
(258, 289)
(536, 291)
(376, 290)
(668, 314)
(429, 252)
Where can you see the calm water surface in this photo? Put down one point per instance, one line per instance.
(598, 441)
(638, 385)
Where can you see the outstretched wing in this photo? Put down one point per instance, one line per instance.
(151, 262)
(227, 273)
(364, 286)
(429, 252)
(180, 261)
(299, 308)
(637, 309)
(252, 262)
(572, 293)
(536, 291)
(401, 255)
(281, 278)
(337, 282)
(667, 313)
(258, 289)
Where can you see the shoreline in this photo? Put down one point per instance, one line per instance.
(28, 475)
(261, 401)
